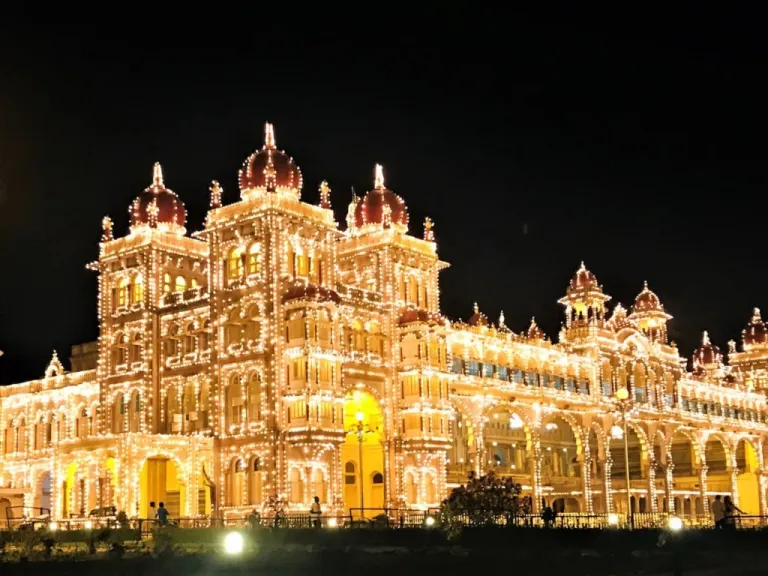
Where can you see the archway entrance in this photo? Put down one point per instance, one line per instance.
(161, 482)
(748, 483)
(364, 424)
(6, 514)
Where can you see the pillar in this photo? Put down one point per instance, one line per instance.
(668, 483)
(654, 505)
(535, 461)
(703, 489)
(585, 462)
(607, 484)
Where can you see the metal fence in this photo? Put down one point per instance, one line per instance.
(393, 519)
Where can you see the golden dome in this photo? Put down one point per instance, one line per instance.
(158, 207)
(755, 334)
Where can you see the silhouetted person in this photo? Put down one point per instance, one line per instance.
(162, 514)
(315, 512)
(718, 512)
(730, 509)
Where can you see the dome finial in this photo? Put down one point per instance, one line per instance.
(269, 136)
(378, 181)
(157, 175)
(501, 318)
(475, 308)
(215, 194)
(325, 195)
(429, 234)
(645, 284)
(756, 314)
(581, 266)
(705, 338)
(106, 228)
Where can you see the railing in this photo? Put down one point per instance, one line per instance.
(391, 518)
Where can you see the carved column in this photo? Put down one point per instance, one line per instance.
(585, 462)
(607, 484)
(653, 503)
(703, 489)
(669, 482)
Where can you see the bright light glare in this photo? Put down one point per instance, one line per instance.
(622, 394)
(429, 521)
(515, 422)
(613, 519)
(616, 432)
(88, 525)
(53, 526)
(675, 524)
(233, 543)
(359, 416)
(332, 523)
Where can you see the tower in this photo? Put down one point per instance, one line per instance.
(397, 275)
(649, 316)
(584, 309)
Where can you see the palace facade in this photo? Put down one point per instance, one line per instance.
(272, 354)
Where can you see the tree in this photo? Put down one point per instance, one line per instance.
(483, 501)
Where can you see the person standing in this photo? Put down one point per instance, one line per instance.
(315, 512)
(718, 512)
(730, 509)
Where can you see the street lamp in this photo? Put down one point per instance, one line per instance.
(360, 430)
(622, 400)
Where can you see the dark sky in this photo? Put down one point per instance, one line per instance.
(638, 150)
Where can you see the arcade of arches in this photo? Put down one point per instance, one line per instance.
(573, 468)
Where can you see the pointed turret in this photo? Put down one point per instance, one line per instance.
(325, 195)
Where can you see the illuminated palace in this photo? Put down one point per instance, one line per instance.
(272, 354)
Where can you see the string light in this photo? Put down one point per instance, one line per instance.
(233, 353)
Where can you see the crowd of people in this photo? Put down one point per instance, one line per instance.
(724, 513)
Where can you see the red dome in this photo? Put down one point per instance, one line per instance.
(416, 315)
(270, 169)
(756, 332)
(311, 292)
(376, 203)
(619, 319)
(477, 318)
(647, 300)
(534, 332)
(158, 207)
(707, 354)
(584, 279)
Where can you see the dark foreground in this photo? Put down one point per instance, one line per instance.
(418, 552)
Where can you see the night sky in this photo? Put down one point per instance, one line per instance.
(641, 153)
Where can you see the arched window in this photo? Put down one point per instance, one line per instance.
(254, 397)
(134, 412)
(254, 258)
(205, 336)
(166, 283)
(349, 473)
(137, 291)
(189, 339)
(253, 326)
(181, 284)
(235, 265)
(122, 292)
(136, 348)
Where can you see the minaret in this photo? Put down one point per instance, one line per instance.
(429, 234)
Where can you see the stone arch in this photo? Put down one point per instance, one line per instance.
(690, 435)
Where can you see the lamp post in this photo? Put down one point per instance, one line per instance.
(622, 400)
(359, 430)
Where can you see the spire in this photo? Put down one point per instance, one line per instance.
(216, 191)
(157, 175)
(705, 339)
(581, 266)
(55, 368)
(645, 285)
(269, 136)
(106, 228)
(429, 235)
(378, 180)
(501, 319)
(756, 315)
(475, 308)
(325, 195)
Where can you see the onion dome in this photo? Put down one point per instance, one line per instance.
(584, 287)
(158, 207)
(619, 319)
(647, 300)
(534, 332)
(422, 316)
(269, 170)
(707, 354)
(584, 279)
(756, 332)
(381, 207)
(477, 318)
(311, 292)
